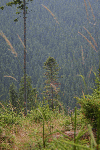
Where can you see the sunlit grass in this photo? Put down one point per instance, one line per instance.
(88, 41)
(8, 42)
(50, 13)
(59, 128)
(10, 77)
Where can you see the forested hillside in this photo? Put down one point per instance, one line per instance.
(64, 29)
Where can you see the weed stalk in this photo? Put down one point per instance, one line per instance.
(75, 128)
(98, 130)
(43, 125)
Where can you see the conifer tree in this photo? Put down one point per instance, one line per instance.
(52, 84)
(31, 93)
(21, 5)
(13, 95)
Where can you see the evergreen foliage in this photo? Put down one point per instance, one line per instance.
(90, 105)
(45, 37)
(19, 4)
(13, 95)
(54, 31)
(30, 92)
(52, 84)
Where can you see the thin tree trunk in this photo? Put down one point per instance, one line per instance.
(25, 99)
(51, 89)
(52, 98)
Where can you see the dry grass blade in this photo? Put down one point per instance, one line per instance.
(86, 10)
(8, 42)
(83, 94)
(91, 37)
(91, 10)
(90, 71)
(50, 13)
(54, 87)
(10, 77)
(88, 41)
(82, 55)
(21, 41)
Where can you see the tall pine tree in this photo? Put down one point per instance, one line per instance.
(21, 5)
(52, 84)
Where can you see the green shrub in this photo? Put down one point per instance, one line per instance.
(90, 105)
(8, 117)
(43, 111)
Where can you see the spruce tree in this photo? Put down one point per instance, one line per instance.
(52, 84)
(21, 5)
(13, 96)
(31, 94)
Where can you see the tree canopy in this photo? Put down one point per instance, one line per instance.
(45, 37)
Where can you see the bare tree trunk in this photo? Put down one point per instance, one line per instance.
(25, 99)
(51, 89)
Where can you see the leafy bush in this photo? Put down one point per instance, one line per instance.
(8, 117)
(90, 105)
(43, 111)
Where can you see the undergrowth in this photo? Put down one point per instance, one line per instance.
(43, 128)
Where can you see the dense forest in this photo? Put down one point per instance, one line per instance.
(68, 30)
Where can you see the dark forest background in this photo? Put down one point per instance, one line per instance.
(58, 38)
